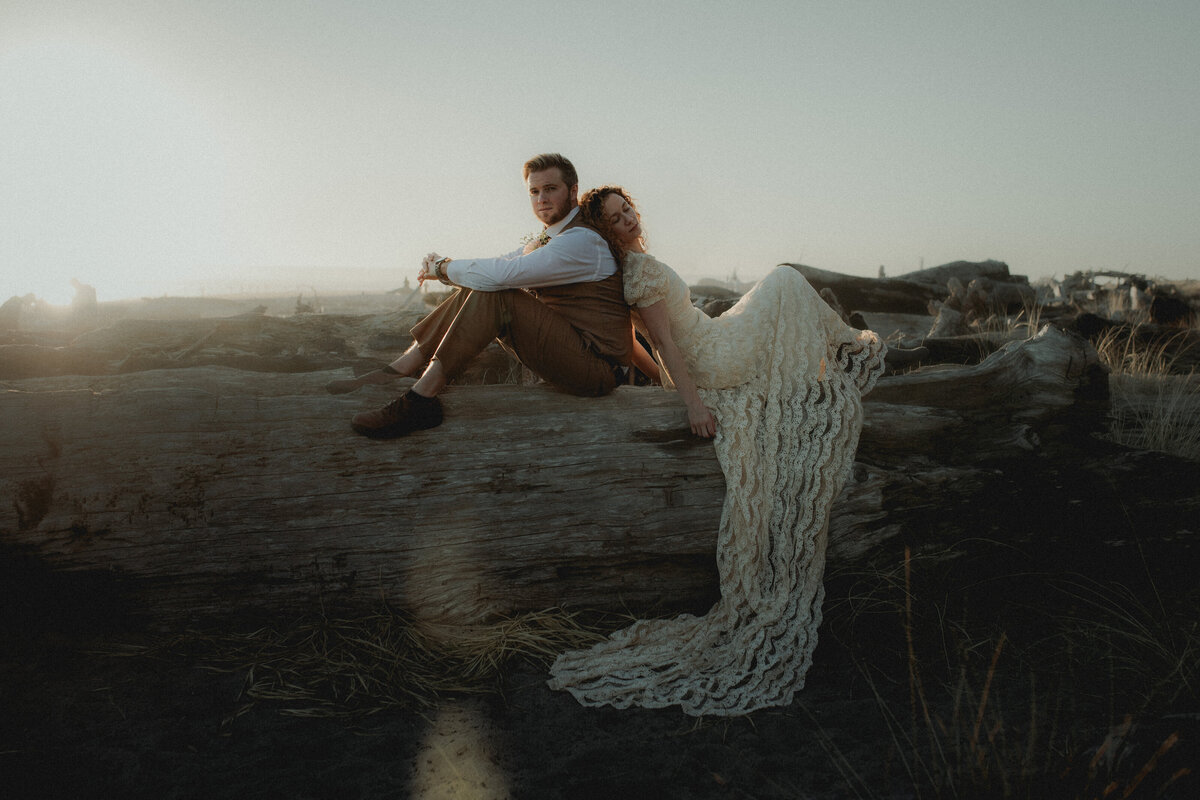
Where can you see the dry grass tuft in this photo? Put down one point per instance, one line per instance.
(1025, 325)
(1157, 413)
(975, 713)
(1148, 649)
(1153, 408)
(1126, 354)
(362, 665)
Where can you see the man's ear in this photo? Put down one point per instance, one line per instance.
(574, 192)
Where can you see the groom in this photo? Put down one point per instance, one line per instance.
(557, 305)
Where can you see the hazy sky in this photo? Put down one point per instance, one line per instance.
(179, 147)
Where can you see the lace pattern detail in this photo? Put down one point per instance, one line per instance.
(784, 377)
(645, 280)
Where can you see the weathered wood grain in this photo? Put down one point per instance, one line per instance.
(207, 491)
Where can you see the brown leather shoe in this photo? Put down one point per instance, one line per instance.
(374, 377)
(400, 417)
(897, 358)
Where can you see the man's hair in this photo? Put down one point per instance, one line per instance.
(549, 160)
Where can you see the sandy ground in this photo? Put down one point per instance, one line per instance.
(79, 721)
(82, 725)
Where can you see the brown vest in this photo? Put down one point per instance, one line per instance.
(596, 309)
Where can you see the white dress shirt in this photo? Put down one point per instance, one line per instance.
(579, 255)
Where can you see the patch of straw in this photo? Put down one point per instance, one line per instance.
(362, 665)
(1124, 354)
(1025, 325)
(1153, 407)
(1151, 651)
(968, 722)
(1157, 413)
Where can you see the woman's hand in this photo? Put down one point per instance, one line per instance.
(702, 421)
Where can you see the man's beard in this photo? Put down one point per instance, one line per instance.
(559, 215)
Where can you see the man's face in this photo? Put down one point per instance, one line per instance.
(549, 195)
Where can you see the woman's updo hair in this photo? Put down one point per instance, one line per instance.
(591, 211)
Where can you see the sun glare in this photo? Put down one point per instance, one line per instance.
(112, 176)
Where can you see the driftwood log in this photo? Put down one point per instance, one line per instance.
(894, 295)
(206, 492)
(972, 288)
(962, 271)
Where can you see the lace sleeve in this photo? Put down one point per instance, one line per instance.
(645, 280)
(861, 358)
(860, 354)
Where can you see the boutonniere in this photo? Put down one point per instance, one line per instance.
(533, 241)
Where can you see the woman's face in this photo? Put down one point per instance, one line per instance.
(622, 219)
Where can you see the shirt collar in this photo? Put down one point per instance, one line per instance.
(553, 230)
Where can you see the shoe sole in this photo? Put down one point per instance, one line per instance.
(378, 433)
(388, 432)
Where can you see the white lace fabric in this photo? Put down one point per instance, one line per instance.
(784, 377)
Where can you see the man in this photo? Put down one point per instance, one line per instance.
(557, 304)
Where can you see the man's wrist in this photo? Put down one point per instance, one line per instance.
(439, 270)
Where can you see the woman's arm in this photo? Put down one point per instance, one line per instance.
(659, 326)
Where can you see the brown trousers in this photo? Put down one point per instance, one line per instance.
(468, 321)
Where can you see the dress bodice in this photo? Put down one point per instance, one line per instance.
(782, 323)
(648, 281)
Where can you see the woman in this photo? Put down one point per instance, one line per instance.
(778, 379)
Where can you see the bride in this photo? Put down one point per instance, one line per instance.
(778, 381)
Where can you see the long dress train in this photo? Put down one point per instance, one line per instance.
(784, 377)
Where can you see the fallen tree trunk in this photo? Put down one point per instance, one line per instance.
(968, 349)
(891, 295)
(208, 491)
(962, 271)
(913, 292)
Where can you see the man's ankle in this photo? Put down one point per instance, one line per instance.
(417, 397)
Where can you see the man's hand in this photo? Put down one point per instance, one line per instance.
(426, 272)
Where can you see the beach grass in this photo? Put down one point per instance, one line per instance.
(1059, 704)
(1154, 405)
(354, 665)
(1155, 401)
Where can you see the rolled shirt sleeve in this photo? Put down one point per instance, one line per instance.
(578, 255)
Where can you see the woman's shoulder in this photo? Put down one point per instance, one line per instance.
(645, 263)
(645, 278)
(641, 266)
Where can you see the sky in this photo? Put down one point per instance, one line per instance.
(218, 147)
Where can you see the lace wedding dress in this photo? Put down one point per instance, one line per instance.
(784, 377)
